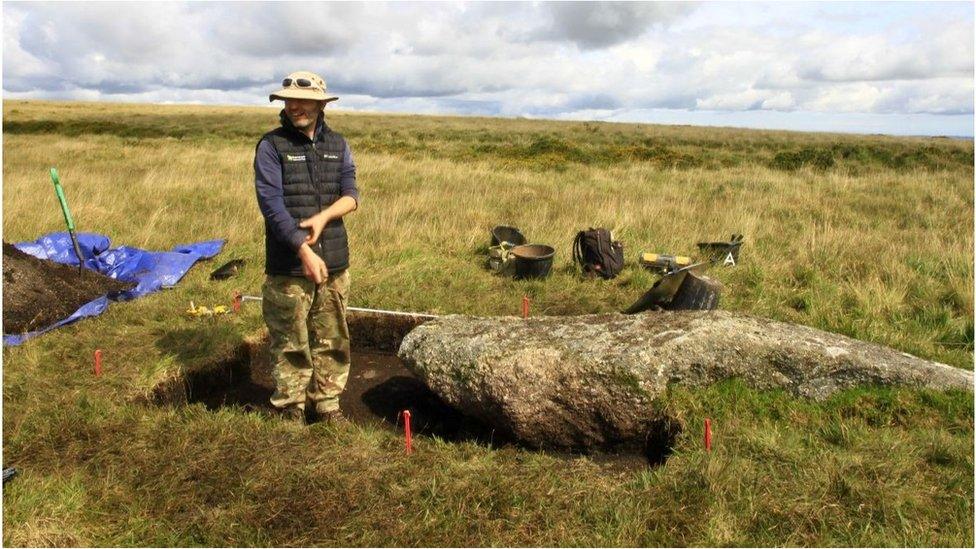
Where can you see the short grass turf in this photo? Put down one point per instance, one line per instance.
(866, 236)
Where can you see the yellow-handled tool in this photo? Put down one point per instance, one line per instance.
(201, 310)
(663, 262)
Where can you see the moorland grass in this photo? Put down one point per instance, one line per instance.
(867, 236)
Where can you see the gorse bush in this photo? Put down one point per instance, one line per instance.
(817, 158)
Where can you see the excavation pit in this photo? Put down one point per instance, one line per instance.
(378, 390)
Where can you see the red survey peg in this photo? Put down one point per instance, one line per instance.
(708, 435)
(406, 430)
(236, 304)
(525, 306)
(98, 362)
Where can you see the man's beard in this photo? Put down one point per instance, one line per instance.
(302, 125)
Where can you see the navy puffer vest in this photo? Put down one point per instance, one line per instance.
(310, 173)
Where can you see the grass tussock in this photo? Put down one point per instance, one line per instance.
(862, 235)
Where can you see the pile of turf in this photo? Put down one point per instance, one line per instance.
(37, 292)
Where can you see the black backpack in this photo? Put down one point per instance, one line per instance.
(596, 253)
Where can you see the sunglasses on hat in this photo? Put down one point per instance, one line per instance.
(300, 82)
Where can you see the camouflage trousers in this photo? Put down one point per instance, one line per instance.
(309, 339)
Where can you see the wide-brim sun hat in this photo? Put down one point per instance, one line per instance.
(303, 85)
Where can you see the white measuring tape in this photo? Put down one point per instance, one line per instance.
(358, 309)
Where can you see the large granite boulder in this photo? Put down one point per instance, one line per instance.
(590, 381)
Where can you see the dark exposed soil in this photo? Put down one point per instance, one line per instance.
(381, 332)
(378, 390)
(38, 292)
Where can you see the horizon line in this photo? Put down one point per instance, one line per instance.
(367, 111)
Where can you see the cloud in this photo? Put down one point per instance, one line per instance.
(740, 69)
(536, 59)
(947, 51)
(601, 24)
(746, 100)
(295, 29)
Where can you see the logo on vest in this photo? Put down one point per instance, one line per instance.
(295, 157)
(328, 156)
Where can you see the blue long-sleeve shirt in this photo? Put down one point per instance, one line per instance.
(271, 201)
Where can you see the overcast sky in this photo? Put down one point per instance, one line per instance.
(898, 68)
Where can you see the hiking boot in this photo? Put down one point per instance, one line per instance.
(333, 417)
(293, 413)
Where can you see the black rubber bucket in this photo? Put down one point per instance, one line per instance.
(502, 233)
(719, 251)
(533, 260)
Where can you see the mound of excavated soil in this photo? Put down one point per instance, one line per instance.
(37, 292)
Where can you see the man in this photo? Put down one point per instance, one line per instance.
(306, 182)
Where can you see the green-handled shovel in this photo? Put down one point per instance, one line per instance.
(67, 217)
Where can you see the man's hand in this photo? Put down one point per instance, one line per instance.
(314, 224)
(312, 264)
(317, 222)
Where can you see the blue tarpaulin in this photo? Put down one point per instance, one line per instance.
(150, 271)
